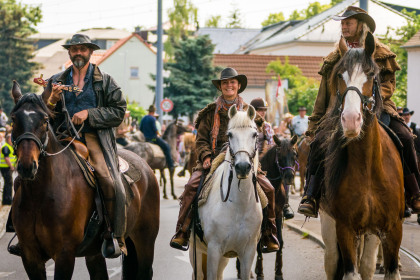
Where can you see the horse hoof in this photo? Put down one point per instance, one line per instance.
(165, 196)
(260, 277)
(278, 277)
(175, 197)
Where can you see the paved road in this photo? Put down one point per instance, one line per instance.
(303, 258)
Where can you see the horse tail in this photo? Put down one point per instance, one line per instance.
(339, 273)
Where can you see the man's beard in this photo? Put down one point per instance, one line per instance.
(80, 61)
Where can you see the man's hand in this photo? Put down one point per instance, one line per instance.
(80, 117)
(207, 163)
(55, 94)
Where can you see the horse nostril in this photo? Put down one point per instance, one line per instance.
(343, 118)
(359, 118)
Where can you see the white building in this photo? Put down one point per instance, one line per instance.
(413, 74)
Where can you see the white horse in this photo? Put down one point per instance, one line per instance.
(232, 227)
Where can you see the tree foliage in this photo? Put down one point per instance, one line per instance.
(181, 17)
(189, 84)
(313, 9)
(235, 19)
(214, 21)
(136, 111)
(405, 32)
(17, 23)
(302, 90)
(273, 18)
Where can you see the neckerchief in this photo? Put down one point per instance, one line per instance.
(353, 44)
(222, 105)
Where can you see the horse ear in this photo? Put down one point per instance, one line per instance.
(342, 46)
(232, 111)
(369, 44)
(277, 140)
(294, 140)
(47, 92)
(16, 92)
(251, 112)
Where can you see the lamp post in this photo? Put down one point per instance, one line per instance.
(159, 62)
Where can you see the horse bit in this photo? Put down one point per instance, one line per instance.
(254, 177)
(366, 100)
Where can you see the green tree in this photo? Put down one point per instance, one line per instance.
(136, 111)
(213, 21)
(235, 19)
(189, 84)
(302, 91)
(273, 18)
(182, 16)
(17, 23)
(313, 9)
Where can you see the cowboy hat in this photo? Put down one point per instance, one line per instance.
(360, 14)
(406, 111)
(230, 73)
(302, 108)
(81, 39)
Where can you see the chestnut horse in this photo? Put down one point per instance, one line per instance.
(303, 153)
(364, 191)
(54, 203)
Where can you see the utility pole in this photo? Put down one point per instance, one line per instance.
(159, 63)
(364, 5)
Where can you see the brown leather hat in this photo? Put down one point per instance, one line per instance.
(358, 13)
(259, 103)
(229, 73)
(81, 39)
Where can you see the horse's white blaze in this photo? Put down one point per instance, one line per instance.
(234, 225)
(28, 114)
(351, 117)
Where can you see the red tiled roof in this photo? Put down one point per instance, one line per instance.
(253, 66)
(97, 57)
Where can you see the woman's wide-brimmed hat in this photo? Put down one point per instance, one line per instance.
(81, 39)
(406, 111)
(358, 13)
(230, 73)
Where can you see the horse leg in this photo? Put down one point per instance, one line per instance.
(34, 266)
(96, 266)
(331, 254)
(171, 178)
(246, 263)
(162, 176)
(368, 257)
(213, 261)
(259, 270)
(222, 265)
(142, 245)
(390, 245)
(347, 240)
(279, 253)
(64, 265)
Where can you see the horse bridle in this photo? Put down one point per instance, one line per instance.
(42, 145)
(281, 169)
(366, 100)
(254, 177)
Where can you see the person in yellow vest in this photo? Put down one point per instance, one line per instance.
(7, 166)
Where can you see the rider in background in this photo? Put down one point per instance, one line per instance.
(212, 125)
(285, 128)
(265, 141)
(151, 133)
(355, 24)
(300, 122)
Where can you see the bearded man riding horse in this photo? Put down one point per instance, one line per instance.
(355, 25)
(212, 125)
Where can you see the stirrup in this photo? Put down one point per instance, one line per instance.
(179, 246)
(110, 248)
(304, 210)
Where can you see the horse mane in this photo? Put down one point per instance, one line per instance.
(330, 132)
(34, 99)
(240, 120)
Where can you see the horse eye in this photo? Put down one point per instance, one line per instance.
(255, 134)
(229, 134)
(371, 74)
(340, 75)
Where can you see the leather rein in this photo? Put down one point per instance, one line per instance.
(254, 177)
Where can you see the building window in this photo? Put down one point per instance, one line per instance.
(134, 73)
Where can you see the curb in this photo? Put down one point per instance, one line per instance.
(4, 214)
(310, 235)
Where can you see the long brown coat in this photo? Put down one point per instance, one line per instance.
(385, 59)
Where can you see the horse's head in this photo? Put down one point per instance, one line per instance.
(242, 133)
(354, 78)
(285, 158)
(30, 118)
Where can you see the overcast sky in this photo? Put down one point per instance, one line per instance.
(72, 15)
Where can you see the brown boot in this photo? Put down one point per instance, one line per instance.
(412, 193)
(309, 206)
(268, 240)
(181, 238)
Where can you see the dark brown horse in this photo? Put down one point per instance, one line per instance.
(279, 163)
(53, 202)
(364, 191)
(303, 153)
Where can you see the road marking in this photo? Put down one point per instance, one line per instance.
(411, 255)
(5, 274)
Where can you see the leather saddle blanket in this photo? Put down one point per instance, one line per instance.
(209, 183)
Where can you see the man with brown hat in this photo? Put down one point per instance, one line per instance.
(355, 25)
(149, 129)
(95, 112)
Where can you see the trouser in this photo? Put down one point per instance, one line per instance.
(8, 185)
(187, 197)
(114, 196)
(165, 148)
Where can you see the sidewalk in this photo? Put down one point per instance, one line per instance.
(4, 214)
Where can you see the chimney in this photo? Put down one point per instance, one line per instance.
(142, 34)
(364, 5)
